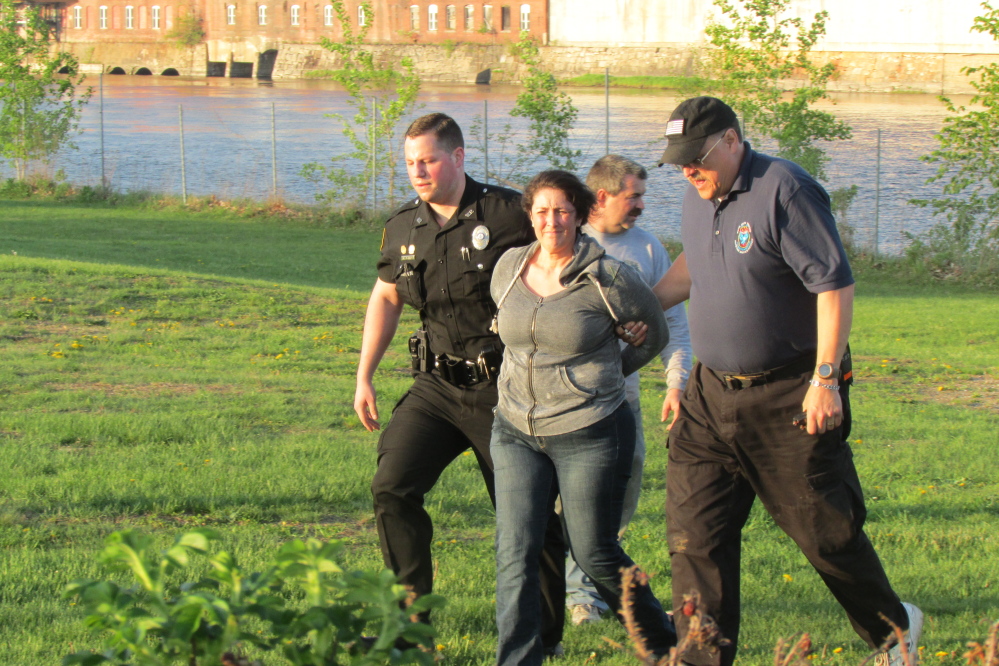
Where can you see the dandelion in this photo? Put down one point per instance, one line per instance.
(837, 650)
(278, 356)
(940, 388)
(942, 654)
(440, 646)
(788, 578)
(467, 453)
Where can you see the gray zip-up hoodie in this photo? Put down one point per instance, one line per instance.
(563, 368)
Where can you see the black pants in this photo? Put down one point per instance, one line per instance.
(731, 445)
(432, 424)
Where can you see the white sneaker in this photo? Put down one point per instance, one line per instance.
(893, 655)
(584, 614)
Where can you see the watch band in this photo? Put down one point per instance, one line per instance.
(829, 387)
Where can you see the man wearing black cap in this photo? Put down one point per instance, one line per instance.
(766, 411)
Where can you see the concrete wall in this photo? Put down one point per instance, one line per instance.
(890, 26)
(856, 72)
(96, 57)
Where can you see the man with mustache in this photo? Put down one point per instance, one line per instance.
(619, 185)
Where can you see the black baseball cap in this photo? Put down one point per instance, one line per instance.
(693, 121)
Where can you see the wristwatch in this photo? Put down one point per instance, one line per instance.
(826, 370)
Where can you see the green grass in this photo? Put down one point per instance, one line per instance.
(163, 370)
(648, 82)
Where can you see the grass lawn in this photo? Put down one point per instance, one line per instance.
(166, 370)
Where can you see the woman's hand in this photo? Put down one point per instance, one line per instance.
(632, 332)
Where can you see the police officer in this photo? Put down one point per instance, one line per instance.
(438, 252)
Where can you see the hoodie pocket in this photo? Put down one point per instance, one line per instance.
(563, 372)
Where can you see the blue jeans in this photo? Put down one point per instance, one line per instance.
(590, 467)
(579, 589)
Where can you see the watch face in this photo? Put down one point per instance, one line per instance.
(825, 370)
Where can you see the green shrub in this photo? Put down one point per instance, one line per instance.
(214, 621)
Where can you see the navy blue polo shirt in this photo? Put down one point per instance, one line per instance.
(757, 261)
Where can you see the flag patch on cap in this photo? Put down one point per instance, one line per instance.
(674, 127)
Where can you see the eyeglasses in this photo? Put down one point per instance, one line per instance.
(699, 162)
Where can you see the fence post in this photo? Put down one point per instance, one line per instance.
(104, 181)
(485, 135)
(374, 155)
(273, 151)
(183, 166)
(606, 110)
(877, 194)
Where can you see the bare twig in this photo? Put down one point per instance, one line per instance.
(631, 576)
(984, 655)
(797, 655)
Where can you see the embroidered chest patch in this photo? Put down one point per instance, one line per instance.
(743, 238)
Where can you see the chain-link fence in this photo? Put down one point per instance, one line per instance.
(247, 139)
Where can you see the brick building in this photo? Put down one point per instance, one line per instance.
(303, 21)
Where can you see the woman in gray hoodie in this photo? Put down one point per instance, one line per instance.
(562, 424)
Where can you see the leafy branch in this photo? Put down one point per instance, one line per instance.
(381, 97)
(968, 168)
(758, 48)
(39, 108)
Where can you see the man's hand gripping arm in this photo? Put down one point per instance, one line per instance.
(380, 323)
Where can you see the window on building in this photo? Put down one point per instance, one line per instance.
(102, 14)
(262, 15)
(432, 17)
(414, 17)
(505, 18)
(451, 17)
(525, 18)
(78, 17)
(154, 17)
(469, 17)
(129, 17)
(362, 16)
(230, 14)
(295, 13)
(487, 17)
(328, 15)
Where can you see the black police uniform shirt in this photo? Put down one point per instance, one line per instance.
(757, 261)
(444, 272)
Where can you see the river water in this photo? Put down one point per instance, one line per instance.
(227, 138)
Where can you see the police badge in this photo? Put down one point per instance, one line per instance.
(480, 237)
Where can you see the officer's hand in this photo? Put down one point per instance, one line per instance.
(633, 333)
(365, 404)
(671, 404)
(824, 409)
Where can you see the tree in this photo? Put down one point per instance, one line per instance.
(189, 30)
(758, 47)
(968, 167)
(551, 113)
(39, 108)
(380, 96)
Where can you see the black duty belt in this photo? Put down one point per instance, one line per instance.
(459, 371)
(792, 369)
